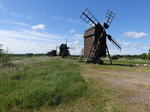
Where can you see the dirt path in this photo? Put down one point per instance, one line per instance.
(135, 86)
(138, 83)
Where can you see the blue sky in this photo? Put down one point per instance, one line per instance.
(40, 25)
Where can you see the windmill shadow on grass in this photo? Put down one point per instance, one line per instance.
(127, 65)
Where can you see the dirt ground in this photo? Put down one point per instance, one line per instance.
(137, 82)
(135, 85)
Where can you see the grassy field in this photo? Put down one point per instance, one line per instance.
(60, 85)
(37, 82)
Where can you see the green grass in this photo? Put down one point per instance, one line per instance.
(52, 84)
(47, 83)
(129, 61)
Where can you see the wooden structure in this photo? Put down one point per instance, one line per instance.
(52, 53)
(95, 45)
(64, 50)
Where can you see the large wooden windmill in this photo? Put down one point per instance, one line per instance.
(95, 45)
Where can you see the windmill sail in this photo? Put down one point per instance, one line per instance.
(114, 42)
(108, 19)
(89, 18)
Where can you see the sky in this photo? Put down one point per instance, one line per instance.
(38, 26)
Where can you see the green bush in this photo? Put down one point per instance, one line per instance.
(143, 56)
(4, 56)
(114, 57)
(148, 56)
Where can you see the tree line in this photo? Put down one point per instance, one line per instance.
(144, 56)
(5, 56)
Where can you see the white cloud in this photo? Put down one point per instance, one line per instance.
(19, 15)
(23, 46)
(28, 17)
(57, 17)
(134, 34)
(38, 27)
(128, 48)
(72, 31)
(75, 47)
(73, 44)
(43, 35)
(126, 43)
(17, 23)
(19, 35)
(6, 11)
(2, 7)
(132, 45)
(25, 41)
(78, 35)
(73, 20)
(27, 34)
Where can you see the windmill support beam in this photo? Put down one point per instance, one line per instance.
(109, 55)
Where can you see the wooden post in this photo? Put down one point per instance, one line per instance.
(109, 55)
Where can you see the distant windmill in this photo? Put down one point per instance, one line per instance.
(53, 52)
(64, 49)
(95, 45)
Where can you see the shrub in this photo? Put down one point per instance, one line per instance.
(4, 56)
(143, 56)
(114, 57)
(29, 54)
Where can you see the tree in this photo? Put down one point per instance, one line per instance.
(143, 56)
(148, 56)
(4, 56)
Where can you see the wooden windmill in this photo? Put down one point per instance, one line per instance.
(64, 49)
(95, 45)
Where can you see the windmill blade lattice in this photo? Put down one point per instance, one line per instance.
(109, 18)
(89, 18)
